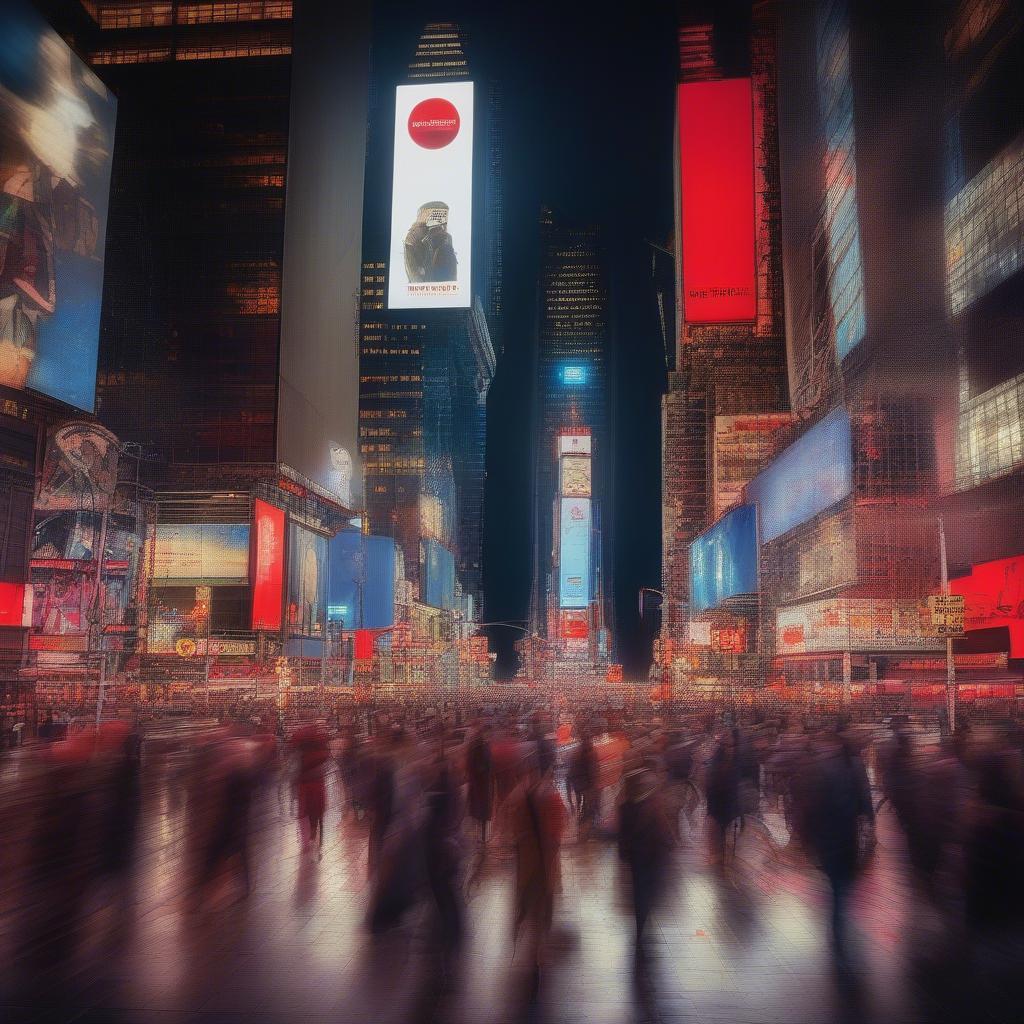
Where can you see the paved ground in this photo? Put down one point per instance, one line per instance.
(748, 948)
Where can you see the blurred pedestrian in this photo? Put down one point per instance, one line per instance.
(310, 787)
(480, 778)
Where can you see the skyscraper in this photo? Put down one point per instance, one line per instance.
(425, 373)
(571, 388)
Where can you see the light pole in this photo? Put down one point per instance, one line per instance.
(950, 667)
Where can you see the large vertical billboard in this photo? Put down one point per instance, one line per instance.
(361, 592)
(268, 565)
(432, 197)
(56, 139)
(307, 581)
(716, 188)
(437, 574)
(574, 553)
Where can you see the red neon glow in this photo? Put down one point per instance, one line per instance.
(993, 597)
(364, 644)
(12, 604)
(268, 571)
(575, 626)
(716, 172)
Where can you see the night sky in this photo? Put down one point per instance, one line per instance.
(588, 103)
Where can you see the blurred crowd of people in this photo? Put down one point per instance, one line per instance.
(433, 792)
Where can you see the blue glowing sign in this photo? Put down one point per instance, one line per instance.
(574, 553)
(438, 575)
(723, 559)
(362, 581)
(812, 474)
(574, 375)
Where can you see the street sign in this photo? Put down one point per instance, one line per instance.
(947, 612)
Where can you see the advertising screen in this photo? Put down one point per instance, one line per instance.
(432, 197)
(201, 553)
(362, 580)
(812, 474)
(854, 624)
(56, 139)
(574, 553)
(12, 604)
(576, 482)
(307, 581)
(437, 575)
(716, 188)
(574, 625)
(268, 565)
(723, 560)
(994, 598)
(574, 444)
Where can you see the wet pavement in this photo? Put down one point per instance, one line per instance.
(750, 945)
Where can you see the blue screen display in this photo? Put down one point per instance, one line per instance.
(574, 375)
(574, 553)
(812, 474)
(438, 575)
(723, 560)
(362, 581)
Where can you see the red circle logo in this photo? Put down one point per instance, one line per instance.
(433, 123)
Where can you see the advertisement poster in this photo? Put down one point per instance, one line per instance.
(994, 598)
(79, 469)
(855, 624)
(201, 552)
(716, 188)
(574, 553)
(432, 197)
(576, 481)
(61, 603)
(307, 581)
(268, 566)
(56, 139)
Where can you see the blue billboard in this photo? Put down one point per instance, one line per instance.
(723, 559)
(574, 553)
(56, 140)
(574, 374)
(437, 576)
(812, 474)
(361, 588)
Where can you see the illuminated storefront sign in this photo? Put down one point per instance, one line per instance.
(854, 624)
(574, 553)
(723, 560)
(56, 142)
(432, 197)
(994, 598)
(811, 475)
(268, 566)
(716, 187)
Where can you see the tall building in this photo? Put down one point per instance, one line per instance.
(727, 396)
(571, 382)
(228, 352)
(425, 372)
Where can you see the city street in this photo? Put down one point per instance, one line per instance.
(750, 947)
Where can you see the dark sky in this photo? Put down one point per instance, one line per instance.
(588, 103)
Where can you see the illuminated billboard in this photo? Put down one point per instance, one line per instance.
(716, 188)
(574, 625)
(723, 560)
(575, 476)
(432, 197)
(994, 599)
(437, 581)
(574, 553)
(362, 580)
(574, 444)
(268, 565)
(307, 581)
(860, 624)
(812, 474)
(573, 375)
(215, 553)
(56, 139)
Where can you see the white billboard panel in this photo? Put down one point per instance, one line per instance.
(432, 197)
(574, 444)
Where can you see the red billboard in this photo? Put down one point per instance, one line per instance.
(994, 598)
(268, 566)
(716, 188)
(12, 604)
(575, 625)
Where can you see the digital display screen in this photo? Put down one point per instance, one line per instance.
(574, 553)
(268, 565)
(723, 560)
(201, 553)
(438, 575)
(362, 580)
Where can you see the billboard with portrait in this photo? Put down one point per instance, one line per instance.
(212, 553)
(437, 575)
(56, 139)
(307, 581)
(574, 553)
(812, 474)
(432, 197)
(723, 560)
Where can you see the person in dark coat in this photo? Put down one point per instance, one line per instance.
(442, 853)
(646, 839)
(480, 776)
(840, 801)
(723, 793)
(583, 780)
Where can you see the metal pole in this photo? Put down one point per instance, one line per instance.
(950, 667)
(98, 614)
